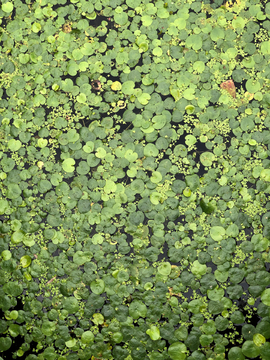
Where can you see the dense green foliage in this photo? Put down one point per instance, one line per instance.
(135, 177)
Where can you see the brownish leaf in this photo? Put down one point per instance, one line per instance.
(229, 86)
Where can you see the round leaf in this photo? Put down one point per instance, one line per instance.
(68, 165)
(265, 297)
(250, 350)
(25, 261)
(177, 351)
(153, 332)
(217, 233)
(165, 269)
(207, 158)
(137, 309)
(7, 7)
(87, 337)
(97, 286)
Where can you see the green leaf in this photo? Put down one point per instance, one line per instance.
(131, 156)
(221, 276)
(150, 150)
(265, 297)
(81, 98)
(17, 237)
(217, 233)
(81, 257)
(14, 145)
(175, 93)
(253, 86)
(215, 294)
(5, 343)
(25, 261)
(260, 243)
(3, 206)
(71, 305)
(258, 339)
(48, 327)
(264, 174)
(193, 182)
(144, 98)
(13, 288)
(155, 197)
(199, 66)
(97, 286)
(121, 18)
(190, 140)
(207, 208)
(153, 332)
(177, 351)
(156, 177)
(87, 337)
(232, 230)
(36, 27)
(77, 54)
(7, 7)
(137, 309)
(164, 268)
(128, 87)
(68, 165)
(13, 191)
(207, 158)
(235, 353)
(217, 33)
(24, 58)
(198, 269)
(265, 47)
(209, 327)
(71, 343)
(6, 254)
(194, 41)
(250, 350)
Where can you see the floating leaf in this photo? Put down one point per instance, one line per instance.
(128, 87)
(215, 294)
(68, 165)
(81, 98)
(153, 332)
(258, 339)
(14, 145)
(164, 268)
(71, 305)
(137, 309)
(190, 140)
(208, 208)
(116, 85)
(175, 93)
(7, 7)
(25, 261)
(250, 350)
(97, 286)
(229, 87)
(217, 233)
(198, 269)
(265, 297)
(5, 343)
(87, 337)
(207, 158)
(177, 351)
(253, 86)
(156, 177)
